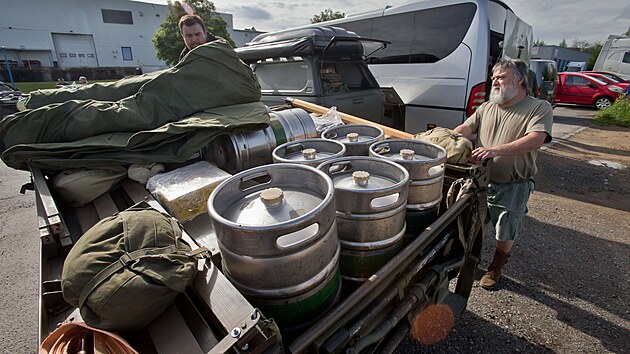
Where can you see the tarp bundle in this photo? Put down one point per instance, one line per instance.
(173, 114)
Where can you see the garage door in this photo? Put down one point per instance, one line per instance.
(75, 50)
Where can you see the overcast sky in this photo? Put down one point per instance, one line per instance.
(552, 20)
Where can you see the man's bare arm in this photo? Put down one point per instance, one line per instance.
(464, 130)
(529, 142)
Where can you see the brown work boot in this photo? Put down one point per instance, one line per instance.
(491, 278)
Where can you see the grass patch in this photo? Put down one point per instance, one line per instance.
(617, 114)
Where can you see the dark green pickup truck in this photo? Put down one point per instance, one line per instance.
(323, 65)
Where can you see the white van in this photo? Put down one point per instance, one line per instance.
(615, 56)
(435, 71)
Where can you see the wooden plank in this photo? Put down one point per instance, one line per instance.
(86, 216)
(347, 118)
(222, 298)
(105, 206)
(170, 334)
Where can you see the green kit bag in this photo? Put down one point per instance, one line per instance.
(128, 268)
(458, 148)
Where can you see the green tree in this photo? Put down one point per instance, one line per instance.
(538, 43)
(593, 50)
(168, 41)
(327, 15)
(563, 43)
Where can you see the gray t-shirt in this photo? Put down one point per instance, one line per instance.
(496, 126)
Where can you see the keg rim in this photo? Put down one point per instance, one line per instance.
(443, 155)
(215, 216)
(282, 159)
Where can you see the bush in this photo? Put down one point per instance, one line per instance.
(617, 114)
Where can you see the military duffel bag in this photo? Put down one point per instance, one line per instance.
(128, 268)
(458, 148)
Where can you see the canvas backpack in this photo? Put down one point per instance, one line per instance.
(457, 147)
(128, 268)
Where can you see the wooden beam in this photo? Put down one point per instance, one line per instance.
(347, 118)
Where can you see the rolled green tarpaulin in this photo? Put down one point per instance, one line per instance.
(173, 142)
(100, 91)
(211, 75)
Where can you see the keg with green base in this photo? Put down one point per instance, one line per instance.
(425, 163)
(370, 199)
(276, 230)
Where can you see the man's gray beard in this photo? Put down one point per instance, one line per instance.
(505, 94)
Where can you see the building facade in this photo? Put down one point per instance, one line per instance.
(86, 34)
(562, 56)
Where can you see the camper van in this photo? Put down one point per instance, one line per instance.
(435, 70)
(615, 56)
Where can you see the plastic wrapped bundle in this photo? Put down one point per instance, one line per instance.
(184, 192)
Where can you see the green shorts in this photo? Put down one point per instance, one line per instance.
(507, 205)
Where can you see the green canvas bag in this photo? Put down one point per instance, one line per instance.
(128, 268)
(458, 148)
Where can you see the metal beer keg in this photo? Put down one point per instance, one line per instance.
(425, 163)
(370, 198)
(311, 152)
(276, 230)
(242, 150)
(356, 137)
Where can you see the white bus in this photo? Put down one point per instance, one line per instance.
(615, 56)
(435, 72)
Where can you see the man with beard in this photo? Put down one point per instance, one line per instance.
(194, 33)
(510, 129)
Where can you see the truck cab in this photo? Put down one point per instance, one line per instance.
(322, 65)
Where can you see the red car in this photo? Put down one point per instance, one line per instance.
(609, 79)
(578, 88)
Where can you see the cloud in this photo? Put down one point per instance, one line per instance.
(251, 13)
(625, 13)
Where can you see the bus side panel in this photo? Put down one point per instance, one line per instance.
(417, 118)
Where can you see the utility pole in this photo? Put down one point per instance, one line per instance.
(8, 66)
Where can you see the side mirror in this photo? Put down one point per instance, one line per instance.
(592, 85)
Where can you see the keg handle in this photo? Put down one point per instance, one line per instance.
(254, 180)
(436, 170)
(382, 149)
(384, 201)
(292, 148)
(338, 167)
(296, 238)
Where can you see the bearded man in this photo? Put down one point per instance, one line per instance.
(510, 129)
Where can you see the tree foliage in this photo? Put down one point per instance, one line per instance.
(538, 43)
(327, 15)
(563, 43)
(168, 41)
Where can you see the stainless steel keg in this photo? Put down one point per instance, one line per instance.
(276, 230)
(242, 150)
(425, 163)
(356, 137)
(311, 152)
(370, 199)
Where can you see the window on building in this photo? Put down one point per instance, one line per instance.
(81, 55)
(117, 16)
(73, 55)
(626, 57)
(63, 55)
(126, 53)
(90, 55)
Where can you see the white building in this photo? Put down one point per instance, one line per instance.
(80, 33)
